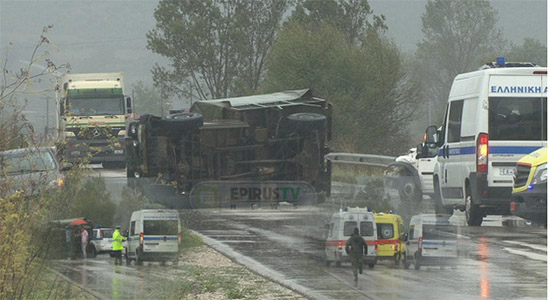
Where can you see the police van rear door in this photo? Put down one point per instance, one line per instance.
(160, 233)
(517, 121)
(439, 240)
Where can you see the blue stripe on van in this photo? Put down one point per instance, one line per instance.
(157, 238)
(492, 150)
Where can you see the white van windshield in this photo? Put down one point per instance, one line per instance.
(160, 227)
(439, 232)
(520, 119)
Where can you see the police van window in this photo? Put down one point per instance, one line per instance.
(348, 227)
(455, 121)
(94, 234)
(384, 230)
(366, 229)
(133, 228)
(160, 227)
(411, 232)
(522, 119)
(439, 232)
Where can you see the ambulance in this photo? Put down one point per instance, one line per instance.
(494, 117)
(390, 230)
(432, 240)
(340, 230)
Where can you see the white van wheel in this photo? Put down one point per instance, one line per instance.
(473, 215)
(139, 261)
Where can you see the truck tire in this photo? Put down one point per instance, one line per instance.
(474, 217)
(306, 122)
(409, 191)
(179, 124)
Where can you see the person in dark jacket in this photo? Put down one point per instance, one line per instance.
(355, 248)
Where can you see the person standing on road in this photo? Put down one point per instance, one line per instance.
(117, 245)
(355, 248)
(83, 240)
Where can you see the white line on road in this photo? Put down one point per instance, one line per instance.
(530, 255)
(534, 246)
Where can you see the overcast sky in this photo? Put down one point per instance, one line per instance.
(109, 36)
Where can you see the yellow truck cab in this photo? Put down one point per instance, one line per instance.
(390, 229)
(529, 195)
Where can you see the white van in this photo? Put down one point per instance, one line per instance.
(340, 230)
(495, 116)
(431, 240)
(154, 235)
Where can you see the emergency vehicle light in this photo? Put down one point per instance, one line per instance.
(540, 72)
(501, 61)
(179, 237)
(141, 239)
(339, 245)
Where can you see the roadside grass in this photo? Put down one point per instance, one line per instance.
(204, 273)
(50, 286)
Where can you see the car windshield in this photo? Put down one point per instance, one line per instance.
(96, 106)
(439, 232)
(108, 233)
(21, 162)
(160, 227)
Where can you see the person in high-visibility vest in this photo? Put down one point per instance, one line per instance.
(117, 245)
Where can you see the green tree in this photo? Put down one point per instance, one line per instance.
(458, 37)
(369, 85)
(353, 18)
(216, 49)
(531, 50)
(148, 100)
(93, 201)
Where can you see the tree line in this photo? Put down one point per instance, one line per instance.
(338, 48)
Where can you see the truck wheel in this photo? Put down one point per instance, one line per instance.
(473, 213)
(409, 191)
(371, 266)
(179, 124)
(306, 122)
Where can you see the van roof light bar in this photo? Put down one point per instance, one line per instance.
(502, 63)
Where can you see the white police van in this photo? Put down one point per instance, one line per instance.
(340, 230)
(431, 240)
(154, 235)
(494, 116)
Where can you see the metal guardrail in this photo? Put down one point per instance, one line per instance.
(360, 159)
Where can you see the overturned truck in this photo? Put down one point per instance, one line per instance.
(262, 149)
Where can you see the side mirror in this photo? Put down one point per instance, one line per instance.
(431, 136)
(128, 105)
(405, 237)
(61, 109)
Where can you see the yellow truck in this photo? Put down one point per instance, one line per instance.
(529, 195)
(390, 244)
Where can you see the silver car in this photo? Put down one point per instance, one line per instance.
(30, 171)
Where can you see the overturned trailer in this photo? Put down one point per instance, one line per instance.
(262, 148)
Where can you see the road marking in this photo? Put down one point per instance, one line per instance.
(534, 246)
(530, 255)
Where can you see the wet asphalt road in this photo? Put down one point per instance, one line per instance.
(496, 263)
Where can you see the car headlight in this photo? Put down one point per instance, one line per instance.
(540, 175)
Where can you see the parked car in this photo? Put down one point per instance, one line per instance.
(30, 170)
(530, 194)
